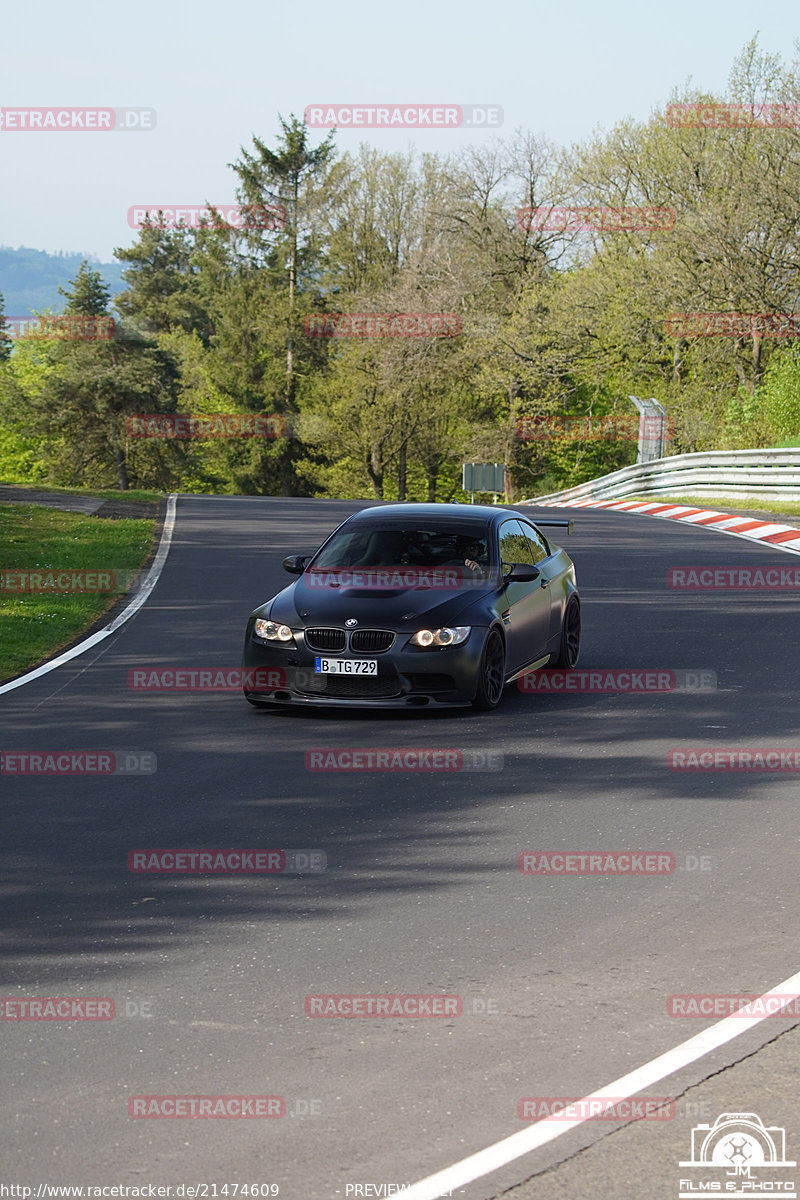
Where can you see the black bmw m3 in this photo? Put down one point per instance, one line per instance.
(414, 605)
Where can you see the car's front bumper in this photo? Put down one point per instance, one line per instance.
(408, 676)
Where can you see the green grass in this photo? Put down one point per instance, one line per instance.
(755, 503)
(110, 494)
(34, 627)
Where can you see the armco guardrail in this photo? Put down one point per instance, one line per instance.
(768, 474)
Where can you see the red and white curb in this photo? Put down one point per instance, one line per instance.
(782, 537)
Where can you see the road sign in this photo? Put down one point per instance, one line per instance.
(483, 477)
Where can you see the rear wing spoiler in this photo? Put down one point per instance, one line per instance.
(554, 524)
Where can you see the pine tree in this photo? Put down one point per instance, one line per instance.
(295, 175)
(89, 296)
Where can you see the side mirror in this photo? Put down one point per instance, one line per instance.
(522, 573)
(295, 563)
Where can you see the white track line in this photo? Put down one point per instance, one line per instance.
(510, 1148)
(134, 606)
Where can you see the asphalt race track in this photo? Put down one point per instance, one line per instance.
(563, 979)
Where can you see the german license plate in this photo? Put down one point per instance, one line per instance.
(346, 666)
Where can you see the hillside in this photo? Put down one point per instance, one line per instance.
(30, 279)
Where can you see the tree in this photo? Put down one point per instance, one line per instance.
(295, 177)
(773, 414)
(89, 296)
(733, 249)
(76, 393)
(164, 285)
(371, 221)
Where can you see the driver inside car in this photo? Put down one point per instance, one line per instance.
(472, 552)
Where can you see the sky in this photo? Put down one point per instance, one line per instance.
(219, 73)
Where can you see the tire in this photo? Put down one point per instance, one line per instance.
(491, 673)
(570, 645)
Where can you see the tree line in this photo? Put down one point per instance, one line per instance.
(546, 322)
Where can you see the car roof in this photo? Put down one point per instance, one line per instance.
(395, 514)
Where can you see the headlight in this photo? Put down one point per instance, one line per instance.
(441, 637)
(272, 632)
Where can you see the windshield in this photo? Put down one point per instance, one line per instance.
(368, 546)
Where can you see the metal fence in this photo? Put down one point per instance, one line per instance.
(745, 474)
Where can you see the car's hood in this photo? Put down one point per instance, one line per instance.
(373, 607)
